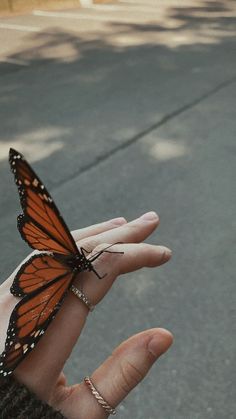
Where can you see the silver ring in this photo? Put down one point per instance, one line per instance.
(78, 293)
(98, 397)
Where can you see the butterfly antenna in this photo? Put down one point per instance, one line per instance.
(83, 251)
(97, 254)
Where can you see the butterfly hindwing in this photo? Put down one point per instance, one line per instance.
(31, 318)
(36, 272)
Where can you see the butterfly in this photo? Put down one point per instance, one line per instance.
(44, 279)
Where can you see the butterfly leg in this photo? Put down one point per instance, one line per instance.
(96, 255)
(97, 274)
(83, 251)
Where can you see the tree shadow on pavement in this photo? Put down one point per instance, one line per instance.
(84, 97)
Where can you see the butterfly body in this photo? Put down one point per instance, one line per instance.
(77, 263)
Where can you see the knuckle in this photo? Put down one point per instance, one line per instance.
(134, 228)
(130, 376)
(88, 244)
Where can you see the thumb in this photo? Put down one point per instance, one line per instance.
(130, 363)
(121, 372)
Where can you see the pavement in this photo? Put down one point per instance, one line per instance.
(124, 108)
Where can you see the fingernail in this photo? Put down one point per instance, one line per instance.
(160, 343)
(118, 221)
(150, 216)
(166, 253)
(154, 347)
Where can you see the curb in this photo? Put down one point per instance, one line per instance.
(17, 6)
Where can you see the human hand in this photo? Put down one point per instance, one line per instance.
(41, 371)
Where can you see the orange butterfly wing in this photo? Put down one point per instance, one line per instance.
(45, 278)
(41, 225)
(36, 272)
(44, 281)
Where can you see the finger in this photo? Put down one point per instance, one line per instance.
(119, 374)
(98, 228)
(64, 331)
(134, 231)
(137, 230)
(93, 235)
(135, 256)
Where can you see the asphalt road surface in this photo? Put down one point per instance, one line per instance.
(125, 108)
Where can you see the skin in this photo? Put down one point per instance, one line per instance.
(130, 361)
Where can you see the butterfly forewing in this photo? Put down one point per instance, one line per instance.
(37, 238)
(40, 211)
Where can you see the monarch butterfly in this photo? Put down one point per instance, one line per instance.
(44, 279)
